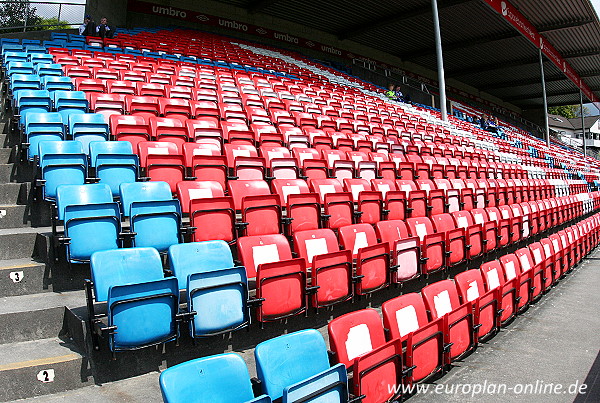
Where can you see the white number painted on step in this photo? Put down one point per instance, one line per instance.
(2, 213)
(16, 276)
(46, 375)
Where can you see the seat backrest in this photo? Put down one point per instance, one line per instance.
(286, 187)
(238, 189)
(470, 285)
(259, 249)
(93, 193)
(440, 298)
(124, 266)
(289, 359)
(511, 266)
(222, 378)
(315, 242)
(357, 236)
(58, 148)
(198, 257)
(354, 334)
(443, 222)
(493, 274)
(420, 227)
(143, 191)
(404, 314)
(109, 148)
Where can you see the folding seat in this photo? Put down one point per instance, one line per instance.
(489, 230)
(237, 132)
(474, 235)
(515, 223)
(19, 68)
(162, 161)
(454, 238)
(134, 129)
(369, 203)
(442, 300)
(544, 258)
(41, 127)
(20, 82)
(142, 306)
(121, 87)
(207, 167)
(77, 72)
(280, 280)
(357, 340)
(90, 84)
(84, 210)
(175, 106)
(330, 269)
(495, 278)
(87, 128)
(295, 368)
(26, 101)
(222, 377)
(521, 214)
(210, 218)
(432, 244)
(523, 280)
(114, 163)
(168, 129)
(154, 217)
(425, 350)
(217, 290)
(417, 203)
(141, 105)
(60, 163)
(372, 258)
(53, 83)
(261, 210)
(338, 205)
(405, 254)
(189, 190)
(436, 198)
(105, 74)
(486, 303)
(303, 209)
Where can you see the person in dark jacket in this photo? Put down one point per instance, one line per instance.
(88, 28)
(104, 30)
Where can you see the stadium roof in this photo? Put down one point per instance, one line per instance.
(481, 48)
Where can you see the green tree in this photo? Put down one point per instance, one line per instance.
(53, 23)
(17, 14)
(567, 111)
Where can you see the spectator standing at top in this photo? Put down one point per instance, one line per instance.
(104, 30)
(399, 94)
(390, 93)
(88, 28)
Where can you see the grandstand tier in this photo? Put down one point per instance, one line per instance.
(160, 195)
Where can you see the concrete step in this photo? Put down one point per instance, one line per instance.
(16, 216)
(41, 367)
(6, 155)
(10, 172)
(18, 243)
(14, 193)
(37, 316)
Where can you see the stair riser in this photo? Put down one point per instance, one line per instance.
(22, 383)
(31, 325)
(25, 280)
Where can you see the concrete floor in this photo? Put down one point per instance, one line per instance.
(557, 341)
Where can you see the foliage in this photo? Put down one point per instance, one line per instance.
(16, 14)
(569, 111)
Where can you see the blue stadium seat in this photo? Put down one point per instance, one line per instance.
(114, 163)
(10, 47)
(54, 43)
(61, 163)
(142, 305)
(40, 58)
(19, 68)
(30, 42)
(30, 101)
(298, 363)
(88, 127)
(84, 210)
(42, 127)
(37, 48)
(217, 290)
(48, 69)
(69, 102)
(9, 40)
(59, 36)
(13, 57)
(154, 216)
(222, 378)
(54, 83)
(24, 82)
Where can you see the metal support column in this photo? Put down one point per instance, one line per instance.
(582, 124)
(545, 99)
(440, 59)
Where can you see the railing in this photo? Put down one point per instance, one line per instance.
(25, 15)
